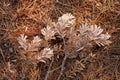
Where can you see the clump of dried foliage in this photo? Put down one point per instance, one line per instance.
(59, 40)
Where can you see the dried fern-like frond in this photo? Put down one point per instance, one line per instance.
(96, 30)
(103, 40)
(95, 33)
(48, 32)
(65, 24)
(35, 43)
(83, 29)
(22, 41)
(98, 36)
(46, 53)
(66, 20)
(32, 46)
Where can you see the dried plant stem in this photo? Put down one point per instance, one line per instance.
(55, 69)
(64, 60)
(47, 75)
(2, 55)
(62, 66)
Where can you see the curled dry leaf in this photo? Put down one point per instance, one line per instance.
(45, 53)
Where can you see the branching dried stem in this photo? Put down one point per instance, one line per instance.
(65, 57)
(62, 66)
(49, 71)
(64, 60)
(55, 69)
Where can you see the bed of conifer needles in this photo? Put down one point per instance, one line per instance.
(59, 39)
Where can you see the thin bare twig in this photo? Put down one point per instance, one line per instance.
(62, 66)
(2, 55)
(47, 75)
(55, 69)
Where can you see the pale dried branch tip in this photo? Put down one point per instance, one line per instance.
(22, 41)
(95, 33)
(32, 46)
(45, 53)
(35, 43)
(48, 32)
(83, 29)
(66, 20)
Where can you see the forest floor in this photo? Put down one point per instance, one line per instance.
(98, 63)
